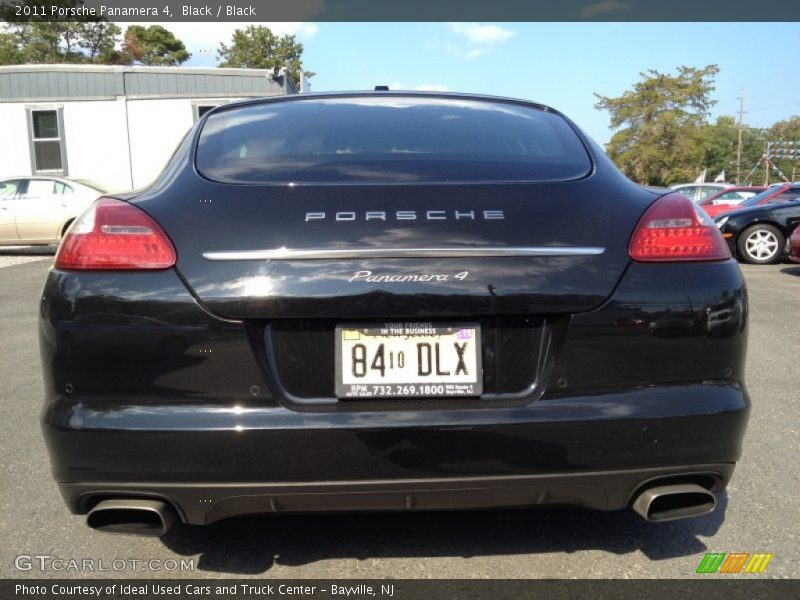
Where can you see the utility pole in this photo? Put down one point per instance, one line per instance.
(766, 164)
(739, 146)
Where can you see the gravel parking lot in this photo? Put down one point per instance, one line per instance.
(758, 513)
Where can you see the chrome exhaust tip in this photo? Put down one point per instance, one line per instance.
(132, 516)
(671, 502)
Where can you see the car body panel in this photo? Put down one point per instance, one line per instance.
(204, 503)
(42, 208)
(589, 420)
(211, 384)
(275, 217)
(255, 288)
(8, 225)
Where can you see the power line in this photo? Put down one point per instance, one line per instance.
(774, 106)
(762, 92)
(752, 82)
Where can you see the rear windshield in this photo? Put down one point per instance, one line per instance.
(385, 139)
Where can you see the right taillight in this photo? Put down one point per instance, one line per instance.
(673, 229)
(113, 235)
(794, 241)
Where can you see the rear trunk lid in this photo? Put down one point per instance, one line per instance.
(374, 251)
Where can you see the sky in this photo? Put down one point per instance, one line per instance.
(559, 64)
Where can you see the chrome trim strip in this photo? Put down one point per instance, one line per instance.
(439, 252)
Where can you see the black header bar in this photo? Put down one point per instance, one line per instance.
(404, 10)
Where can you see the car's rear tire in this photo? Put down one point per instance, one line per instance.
(760, 244)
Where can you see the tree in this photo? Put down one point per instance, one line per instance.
(154, 46)
(719, 143)
(39, 42)
(42, 41)
(661, 119)
(9, 52)
(259, 48)
(99, 40)
(83, 39)
(785, 131)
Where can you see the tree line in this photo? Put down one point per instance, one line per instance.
(664, 134)
(94, 40)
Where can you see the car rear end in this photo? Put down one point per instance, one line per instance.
(391, 302)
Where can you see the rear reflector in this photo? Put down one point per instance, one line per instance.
(114, 235)
(673, 229)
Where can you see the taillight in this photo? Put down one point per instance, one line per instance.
(114, 235)
(674, 229)
(794, 241)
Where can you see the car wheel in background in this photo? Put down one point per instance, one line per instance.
(66, 226)
(760, 244)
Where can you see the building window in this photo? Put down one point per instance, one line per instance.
(199, 109)
(48, 152)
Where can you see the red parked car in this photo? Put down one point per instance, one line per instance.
(794, 246)
(769, 194)
(729, 198)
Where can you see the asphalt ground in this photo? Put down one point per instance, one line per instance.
(759, 512)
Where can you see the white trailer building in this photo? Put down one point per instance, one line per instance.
(113, 125)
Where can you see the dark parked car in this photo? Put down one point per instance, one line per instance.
(391, 301)
(759, 234)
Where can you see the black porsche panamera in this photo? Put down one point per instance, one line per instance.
(391, 301)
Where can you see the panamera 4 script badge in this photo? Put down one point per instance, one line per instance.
(371, 277)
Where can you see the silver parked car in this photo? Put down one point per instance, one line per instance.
(38, 210)
(699, 191)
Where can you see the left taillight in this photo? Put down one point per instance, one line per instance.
(114, 235)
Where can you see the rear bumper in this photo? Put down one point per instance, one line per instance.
(217, 462)
(156, 397)
(201, 504)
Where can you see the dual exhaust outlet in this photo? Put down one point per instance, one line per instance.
(156, 517)
(132, 515)
(672, 502)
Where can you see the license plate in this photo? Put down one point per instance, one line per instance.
(408, 359)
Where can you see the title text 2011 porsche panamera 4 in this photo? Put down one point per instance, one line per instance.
(391, 301)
